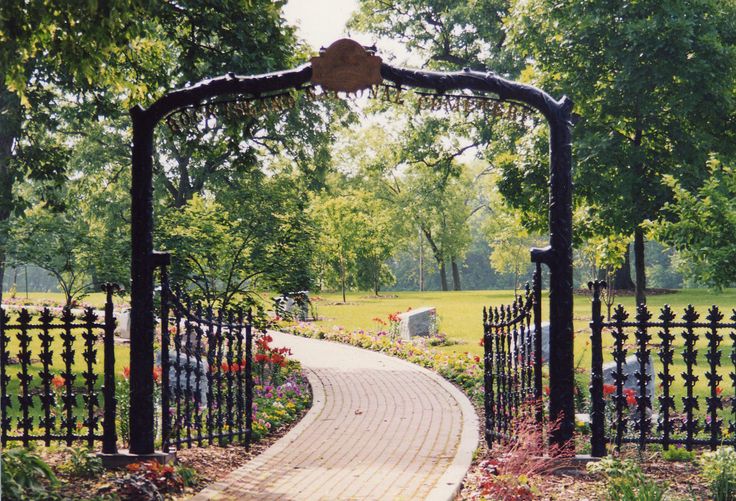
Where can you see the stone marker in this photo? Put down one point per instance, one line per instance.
(122, 329)
(545, 341)
(419, 322)
(188, 368)
(631, 366)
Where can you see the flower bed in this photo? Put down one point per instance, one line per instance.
(463, 369)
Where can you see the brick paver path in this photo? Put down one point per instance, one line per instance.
(379, 428)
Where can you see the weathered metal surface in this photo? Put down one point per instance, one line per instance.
(346, 66)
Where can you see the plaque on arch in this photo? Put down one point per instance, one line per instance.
(346, 66)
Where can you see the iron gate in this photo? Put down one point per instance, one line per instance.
(206, 372)
(512, 340)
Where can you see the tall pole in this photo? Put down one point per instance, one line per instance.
(561, 356)
(141, 288)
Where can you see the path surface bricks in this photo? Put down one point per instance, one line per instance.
(379, 428)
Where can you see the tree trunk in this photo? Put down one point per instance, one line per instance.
(342, 283)
(443, 274)
(438, 256)
(622, 276)
(455, 275)
(421, 262)
(640, 266)
(10, 126)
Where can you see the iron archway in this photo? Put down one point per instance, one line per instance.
(347, 66)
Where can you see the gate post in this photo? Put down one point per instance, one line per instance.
(141, 288)
(597, 413)
(109, 434)
(558, 258)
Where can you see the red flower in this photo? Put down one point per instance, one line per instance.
(546, 390)
(157, 374)
(482, 341)
(719, 390)
(629, 392)
(261, 358)
(58, 381)
(225, 367)
(126, 372)
(608, 389)
(234, 367)
(477, 359)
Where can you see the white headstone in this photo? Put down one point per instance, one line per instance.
(122, 329)
(419, 322)
(545, 342)
(187, 370)
(630, 367)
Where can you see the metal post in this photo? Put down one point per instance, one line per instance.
(165, 416)
(597, 414)
(249, 380)
(538, 391)
(109, 433)
(141, 290)
(559, 261)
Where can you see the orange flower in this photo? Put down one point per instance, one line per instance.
(126, 372)
(719, 390)
(157, 374)
(58, 381)
(546, 390)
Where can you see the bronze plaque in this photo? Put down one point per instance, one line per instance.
(345, 66)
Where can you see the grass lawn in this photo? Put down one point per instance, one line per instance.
(460, 313)
(460, 317)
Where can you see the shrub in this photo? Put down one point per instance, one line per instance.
(163, 476)
(625, 481)
(719, 468)
(26, 476)
(678, 454)
(188, 475)
(82, 463)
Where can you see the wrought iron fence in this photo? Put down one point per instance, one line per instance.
(512, 340)
(58, 398)
(206, 378)
(625, 410)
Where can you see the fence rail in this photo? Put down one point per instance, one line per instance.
(512, 340)
(207, 380)
(624, 407)
(49, 404)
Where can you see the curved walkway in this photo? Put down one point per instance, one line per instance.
(379, 428)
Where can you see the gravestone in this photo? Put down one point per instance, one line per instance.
(630, 367)
(294, 305)
(188, 370)
(545, 342)
(122, 329)
(419, 322)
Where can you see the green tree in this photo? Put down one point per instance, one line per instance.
(654, 83)
(229, 245)
(54, 55)
(701, 225)
(59, 243)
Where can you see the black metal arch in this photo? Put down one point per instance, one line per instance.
(557, 256)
